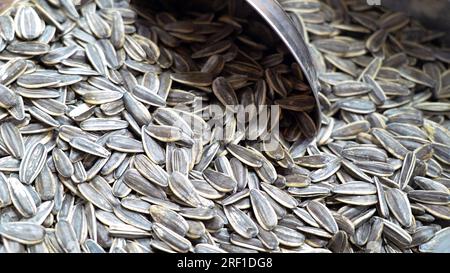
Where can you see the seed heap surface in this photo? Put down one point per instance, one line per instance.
(121, 130)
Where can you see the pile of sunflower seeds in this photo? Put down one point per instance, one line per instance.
(381, 161)
(119, 131)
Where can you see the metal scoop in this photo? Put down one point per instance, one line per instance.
(280, 22)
